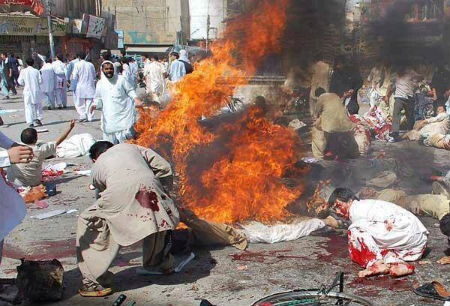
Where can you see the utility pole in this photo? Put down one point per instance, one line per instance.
(208, 25)
(208, 28)
(50, 32)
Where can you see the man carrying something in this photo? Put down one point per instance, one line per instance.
(382, 236)
(117, 98)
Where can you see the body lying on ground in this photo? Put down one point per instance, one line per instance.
(425, 129)
(382, 236)
(133, 206)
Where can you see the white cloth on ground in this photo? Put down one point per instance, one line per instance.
(75, 146)
(260, 233)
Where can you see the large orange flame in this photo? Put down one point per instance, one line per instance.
(243, 179)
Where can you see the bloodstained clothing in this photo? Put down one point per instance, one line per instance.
(384, 231)
(133, 206)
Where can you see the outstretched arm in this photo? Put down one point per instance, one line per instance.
(66, 133)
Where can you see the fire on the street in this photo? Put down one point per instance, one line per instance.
(243, 181)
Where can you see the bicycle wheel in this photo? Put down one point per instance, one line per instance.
(312, 298)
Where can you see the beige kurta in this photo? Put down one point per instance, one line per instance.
(131, 193)
(133, 206)
(332, 115)
(332, 118)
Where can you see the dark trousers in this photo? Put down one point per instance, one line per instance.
(408, 105)
(11, 86)
(15, 76)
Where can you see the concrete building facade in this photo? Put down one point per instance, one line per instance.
(149, 25)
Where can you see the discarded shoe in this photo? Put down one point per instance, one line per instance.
(434, 290)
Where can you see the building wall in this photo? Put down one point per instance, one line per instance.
(147, 22)
(200, 9)
(73, 8)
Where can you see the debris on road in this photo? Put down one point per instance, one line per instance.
(257, 232)
(40, 281)
(263, 255)
(53, 213)
(32, 194)
(119, 301)
(178, 268)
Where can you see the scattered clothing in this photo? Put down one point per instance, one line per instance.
(75, 146)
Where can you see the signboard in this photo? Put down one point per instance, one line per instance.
(77, 26)
(95, 28)
(35, 5)
(28, 26)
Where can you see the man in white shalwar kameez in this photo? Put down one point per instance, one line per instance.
(85, 78)
(134, 205)
(177, 68)
(48, 83)
(31, 79)
(134, 70)
(382, 236)
(117, 99)
(60, 88)
(154, 77)
(12, 206)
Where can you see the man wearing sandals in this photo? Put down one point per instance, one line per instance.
(133, 206)
(382, 236)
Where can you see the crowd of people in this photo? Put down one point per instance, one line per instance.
(47, 81)
(111, 89)
(383, 237)
(403, 104)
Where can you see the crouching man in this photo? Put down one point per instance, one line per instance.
(332, 133)
(382, 236)
(133, 206)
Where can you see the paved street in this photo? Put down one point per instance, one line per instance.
(213, 274)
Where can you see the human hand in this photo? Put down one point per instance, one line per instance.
(20, 154)
(72, 124)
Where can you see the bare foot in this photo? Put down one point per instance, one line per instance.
(444, 260)
(401, 269)
(377, 268)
